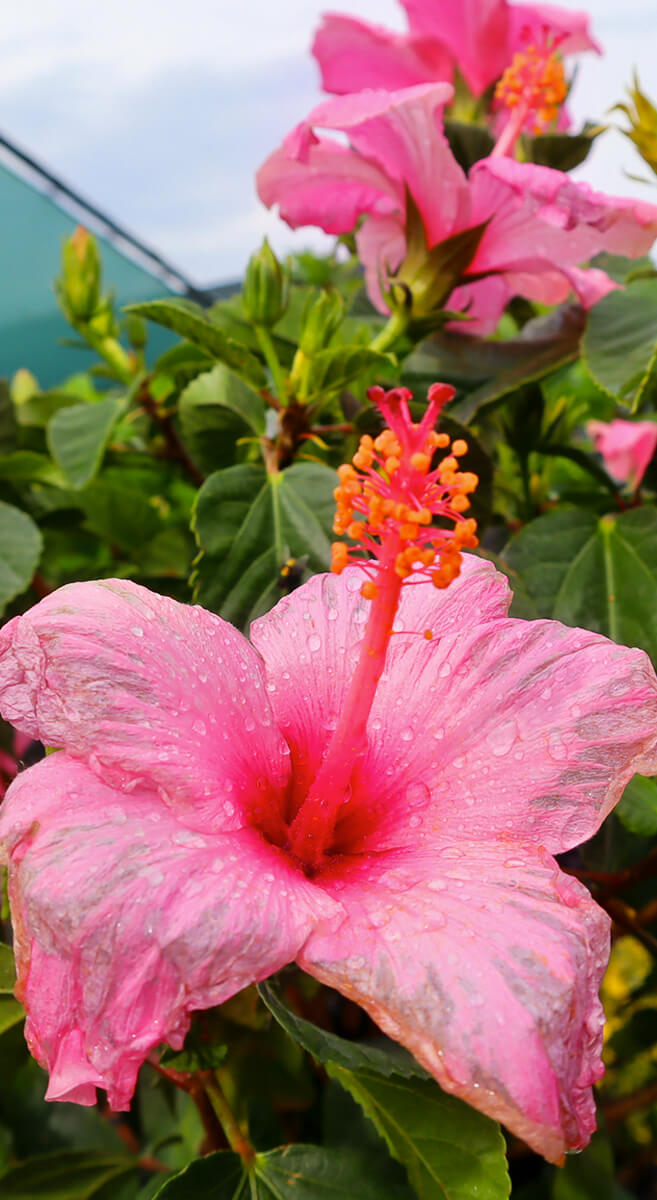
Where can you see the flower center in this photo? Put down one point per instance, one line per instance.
(532, 89)
(386, 501)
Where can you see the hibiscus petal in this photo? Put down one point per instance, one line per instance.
(146, 690)
(525, 729)
(590, 221)
(531, 23)
(475, 32)
(126, 921)
(354, 55)
(323, 183)
(402, 132)
(311, 639)
(485, 961)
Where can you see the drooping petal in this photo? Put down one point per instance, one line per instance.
(354, 55)
(485, 961)
(402, 133)
(323, 183)
(310, 642)
(126, 920)
(474, 31)
(148, 692)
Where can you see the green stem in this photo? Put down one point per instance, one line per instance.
(392, 331)
(237, 1140)
(112, 351)
(271, 358)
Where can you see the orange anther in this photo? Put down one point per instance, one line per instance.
(442, 441)
(354, 530)
(421, 462)
(407, 532)
(392, 464)
(428, 635)
(460, 503)
(369, 590)
(459, 448)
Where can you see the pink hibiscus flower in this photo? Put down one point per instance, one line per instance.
(478, 37)
(626, 447)
(530, 227)
(374, 788)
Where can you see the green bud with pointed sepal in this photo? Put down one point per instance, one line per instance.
(265, 293)
(78, 286)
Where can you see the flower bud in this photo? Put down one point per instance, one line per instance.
(265, 292)
(79, 283)
(322, 319)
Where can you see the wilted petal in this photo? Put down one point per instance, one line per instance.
(148, 692)
(127, 920)
(485, 961)
(354, 55)
(590, 221)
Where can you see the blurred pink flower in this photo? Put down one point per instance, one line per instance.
(535, 224)
(479, 37)
(148, 862)
(626, 447)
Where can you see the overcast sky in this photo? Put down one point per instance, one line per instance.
(160, 113)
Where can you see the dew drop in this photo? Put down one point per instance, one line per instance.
(314, 642)
(332, 614)
(200, 727)
(406, 734)
(137, 630)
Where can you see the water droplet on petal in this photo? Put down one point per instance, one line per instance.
(137, 630)
(200, 727)
(406, 734)
(314, 642)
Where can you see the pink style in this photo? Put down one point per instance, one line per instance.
(374, 792)
(532, 226)
(478, 37)
(626, 447)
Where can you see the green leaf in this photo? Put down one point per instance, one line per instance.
(65, 1175)
(7, 969)
(329, 1048)
(78, 438)
(123, 516)
(11, 1013)
(20, 550)
(638, 806)
(563, 151)
(596, 572)
(26, 466)
(7, 419)
(488, 371)
(330, 371)
(620, 343)
(247, 523)
(450, 1151)
(294, 1172)
(221, 388)
(589, 1174)
(191, 322)
(468, 143)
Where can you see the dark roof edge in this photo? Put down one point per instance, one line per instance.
(76, 205)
